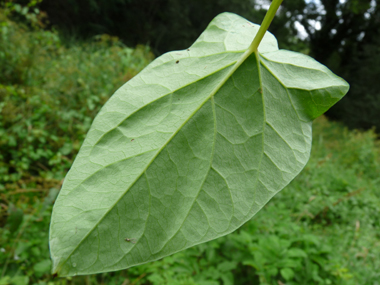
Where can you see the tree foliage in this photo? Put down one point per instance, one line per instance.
(163, 24)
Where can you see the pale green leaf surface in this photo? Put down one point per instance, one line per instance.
(189, 150)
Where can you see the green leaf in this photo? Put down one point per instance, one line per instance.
(5, 280)
(287, 273)
(189, 150)
(296, 252)
(15, 218)
(20, 280)
(42, 267)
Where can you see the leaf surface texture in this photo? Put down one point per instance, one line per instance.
(189, 150)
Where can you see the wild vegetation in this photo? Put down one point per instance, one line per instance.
(321, 229)
(49, 94)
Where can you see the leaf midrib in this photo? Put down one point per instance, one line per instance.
(166, 94)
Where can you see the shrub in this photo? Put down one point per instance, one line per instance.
(49, 94)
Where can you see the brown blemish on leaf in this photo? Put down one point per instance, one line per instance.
(131, 240)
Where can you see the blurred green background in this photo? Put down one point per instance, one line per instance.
(60, 60)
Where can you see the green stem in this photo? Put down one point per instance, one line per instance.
(265, 24)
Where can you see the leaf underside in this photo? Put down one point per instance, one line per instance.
(189, 150)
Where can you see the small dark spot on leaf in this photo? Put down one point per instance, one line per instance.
(188, 49)
(132, 140)
(177, 61)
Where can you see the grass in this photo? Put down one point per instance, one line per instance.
(321, 229)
